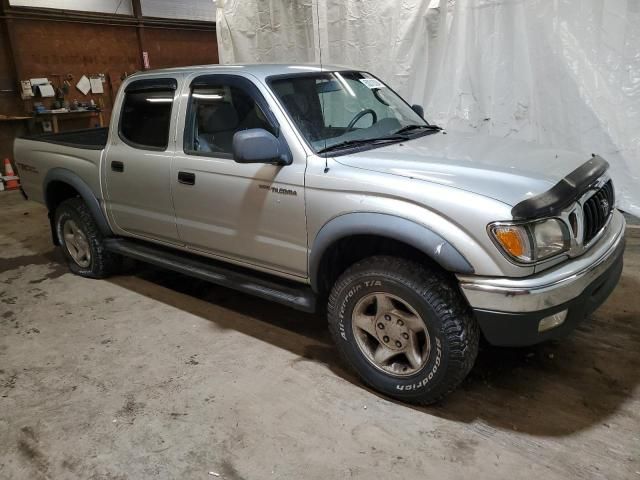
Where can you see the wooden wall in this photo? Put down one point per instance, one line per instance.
(52, 44)
(10, 102)
(7, 73)
(55, 49)
(171, 48)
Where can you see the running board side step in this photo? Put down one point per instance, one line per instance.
(253, 283)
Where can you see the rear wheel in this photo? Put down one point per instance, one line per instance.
(404, 329)
(81, 241)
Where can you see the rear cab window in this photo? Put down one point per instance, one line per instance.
(145, 116)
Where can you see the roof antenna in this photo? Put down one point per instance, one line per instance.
(326, 165)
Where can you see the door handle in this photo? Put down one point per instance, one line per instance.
(187, 178)
(117, 166)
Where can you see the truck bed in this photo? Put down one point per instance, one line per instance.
(78, 152)
(90, 138)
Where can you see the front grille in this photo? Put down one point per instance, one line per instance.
(596, 211)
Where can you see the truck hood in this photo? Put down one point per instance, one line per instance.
(505, 169)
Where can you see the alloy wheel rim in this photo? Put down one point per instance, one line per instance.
(76, 243)
(390, 334)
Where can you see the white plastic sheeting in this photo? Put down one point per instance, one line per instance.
(203, 10)
(254, 31)
(559, 72)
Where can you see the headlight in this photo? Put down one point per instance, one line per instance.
(531, 242)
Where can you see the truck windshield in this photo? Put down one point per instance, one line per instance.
(341, 110)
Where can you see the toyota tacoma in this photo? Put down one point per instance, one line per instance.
(321, 188)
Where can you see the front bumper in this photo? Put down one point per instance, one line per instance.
(509, 310)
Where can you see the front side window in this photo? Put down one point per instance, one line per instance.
(337, 107)
(216, 113)
(146, 117)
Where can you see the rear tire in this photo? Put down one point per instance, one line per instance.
(81, 241)
(404, 329)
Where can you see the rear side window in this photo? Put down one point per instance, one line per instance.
(146, 116)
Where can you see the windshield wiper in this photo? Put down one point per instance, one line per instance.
(363, 141)
(410, 128)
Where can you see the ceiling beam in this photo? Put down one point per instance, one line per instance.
(143, 53)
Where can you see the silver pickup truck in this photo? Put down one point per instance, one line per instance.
(320, 187)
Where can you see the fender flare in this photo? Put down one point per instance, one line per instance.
(67, 176)
(389, 226)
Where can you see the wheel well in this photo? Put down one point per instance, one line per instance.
(57, 192)
(346, 251)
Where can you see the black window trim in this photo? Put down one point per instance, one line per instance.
(151, 84)
(238, 81)
(148, 85)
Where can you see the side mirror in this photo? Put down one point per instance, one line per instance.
(256, 145)
(418, 109)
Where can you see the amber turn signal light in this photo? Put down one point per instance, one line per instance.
(514, 240)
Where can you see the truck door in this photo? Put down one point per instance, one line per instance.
(137, 169)
(248, 213)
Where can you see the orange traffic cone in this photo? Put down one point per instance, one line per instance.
(11, 183)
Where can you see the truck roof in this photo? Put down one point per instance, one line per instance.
(261, 70)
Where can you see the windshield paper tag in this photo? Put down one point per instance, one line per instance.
(371, 83)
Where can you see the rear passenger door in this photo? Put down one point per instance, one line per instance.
(137, 169)
(248, 213)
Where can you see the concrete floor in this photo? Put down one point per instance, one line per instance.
(153, 374)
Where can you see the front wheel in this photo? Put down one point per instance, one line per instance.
(404, 329)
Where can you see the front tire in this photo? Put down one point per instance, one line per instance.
(404, 329)
(81, 241)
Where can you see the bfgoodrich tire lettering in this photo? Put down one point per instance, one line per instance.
(452, 330)
(102, 263)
